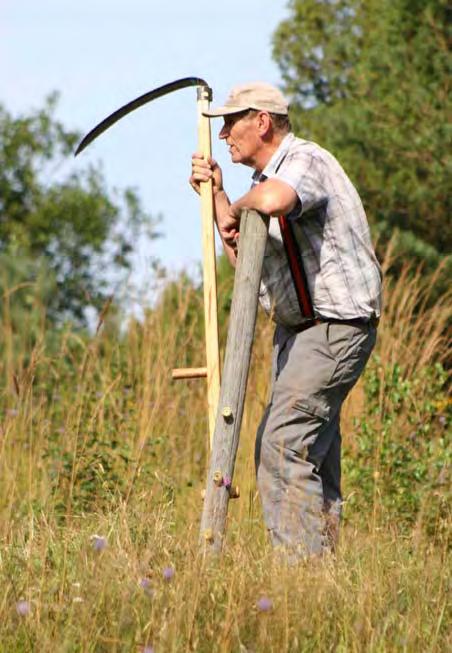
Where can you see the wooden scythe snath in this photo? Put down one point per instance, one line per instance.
(212, 370)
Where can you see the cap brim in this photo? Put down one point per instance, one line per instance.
(224, 111)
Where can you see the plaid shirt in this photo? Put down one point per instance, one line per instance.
(332, 233)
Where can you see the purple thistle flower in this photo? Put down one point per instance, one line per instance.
(99, 542)
(23, 608)
(145, 583)
(168, 573)
(265, 604)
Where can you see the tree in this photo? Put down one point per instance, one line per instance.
(369, 80)
(72, 226)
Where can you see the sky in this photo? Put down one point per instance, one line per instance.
(100, 54)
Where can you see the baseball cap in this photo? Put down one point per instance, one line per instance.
(254, 95)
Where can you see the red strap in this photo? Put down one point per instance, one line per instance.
(296, 267)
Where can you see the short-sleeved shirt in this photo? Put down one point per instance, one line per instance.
(332, 233)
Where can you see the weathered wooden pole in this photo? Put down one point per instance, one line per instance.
(253, 236)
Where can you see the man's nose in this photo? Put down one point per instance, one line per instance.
(224, 132)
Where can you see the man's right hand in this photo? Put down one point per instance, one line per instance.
(203, 170)
(227, 223)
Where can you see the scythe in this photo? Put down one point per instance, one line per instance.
(204, 96)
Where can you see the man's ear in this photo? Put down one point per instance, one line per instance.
(264, 124)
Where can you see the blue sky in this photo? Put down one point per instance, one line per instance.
(99, 54)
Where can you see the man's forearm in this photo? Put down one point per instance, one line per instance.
(271, 197)
(222, 204)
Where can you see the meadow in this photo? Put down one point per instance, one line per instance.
(103, 461)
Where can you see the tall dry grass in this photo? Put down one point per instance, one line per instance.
(102, 463)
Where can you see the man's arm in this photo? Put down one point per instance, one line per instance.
(272, 197)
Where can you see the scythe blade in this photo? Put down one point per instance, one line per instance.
(135, 104)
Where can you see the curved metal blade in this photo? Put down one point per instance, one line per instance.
(135, 104)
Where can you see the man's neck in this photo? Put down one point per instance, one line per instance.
(267, 151)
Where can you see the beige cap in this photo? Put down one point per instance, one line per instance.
(254, 95)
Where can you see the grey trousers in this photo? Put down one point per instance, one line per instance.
(298, 443)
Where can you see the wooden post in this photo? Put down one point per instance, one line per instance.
(253, 236)
(209, 265)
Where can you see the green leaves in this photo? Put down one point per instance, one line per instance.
(369, 81)
(83, 232)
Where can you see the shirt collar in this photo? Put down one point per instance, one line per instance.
(276, 159)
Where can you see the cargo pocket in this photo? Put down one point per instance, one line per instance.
(305, 422)
(315, 417)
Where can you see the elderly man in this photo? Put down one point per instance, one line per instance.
(321, 283)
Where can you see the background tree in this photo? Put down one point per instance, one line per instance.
(369, 81)
(72, 227)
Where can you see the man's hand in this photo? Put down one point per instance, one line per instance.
(227, 221)
(229, 226)
(203, 170)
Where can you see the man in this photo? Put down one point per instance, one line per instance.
(318, 355)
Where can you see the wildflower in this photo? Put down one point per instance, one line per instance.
(99, 542)
(148, 649)
(264, 604)
(23, 608)
(145, 583)
(442, 419)
(168, 573)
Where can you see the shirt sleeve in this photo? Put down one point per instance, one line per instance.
(304, 174)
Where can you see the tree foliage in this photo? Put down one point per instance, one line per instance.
(71, 225)
(368, 80)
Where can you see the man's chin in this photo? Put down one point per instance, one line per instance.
(237, 158)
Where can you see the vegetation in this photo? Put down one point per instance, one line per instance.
(103, 460)
(65, 231)
(369, 80)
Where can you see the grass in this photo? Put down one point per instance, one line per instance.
(95, 440)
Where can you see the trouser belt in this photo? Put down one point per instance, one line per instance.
(356, 321)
